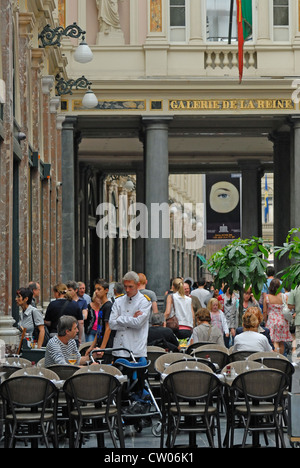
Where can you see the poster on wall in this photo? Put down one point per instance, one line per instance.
(223, 206)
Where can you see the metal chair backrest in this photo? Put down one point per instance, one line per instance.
(20, 361)
(152, 355)
(284, 365)
(193, 346)
(9, 370)
(64, 371)
(84, 347)
(213, 346)
(100, 368)
(91, 387)
(187, 365)
(37, 371)
(155, 348)
(267, 354)
(191, 385)
(261, 384)
(27, 391)
(242, 366)
(216, 356)
(41, 363)
(240, 355)
(168, 358)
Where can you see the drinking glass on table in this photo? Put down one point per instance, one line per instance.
(72, 359)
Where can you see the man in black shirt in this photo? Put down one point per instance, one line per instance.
(161, 336)
(62, 306)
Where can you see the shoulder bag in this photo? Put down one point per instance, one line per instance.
(286, 311)
(36, 332)
(172, 322)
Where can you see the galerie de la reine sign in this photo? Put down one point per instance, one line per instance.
(231, 104)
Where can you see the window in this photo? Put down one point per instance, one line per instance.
(218, 21)
(177, 21)
(281, 20)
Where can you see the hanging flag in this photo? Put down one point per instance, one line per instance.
(266, 200)
(244, 26)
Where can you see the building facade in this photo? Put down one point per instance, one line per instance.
(170, 111)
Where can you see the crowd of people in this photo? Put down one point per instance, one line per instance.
(130, 318)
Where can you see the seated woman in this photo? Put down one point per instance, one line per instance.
(250, 339)
(263, 330)
(205, 331)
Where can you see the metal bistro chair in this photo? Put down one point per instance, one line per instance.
(279, 362)
(218, 357)
(94, 406)
(84, 347)
(240, 355)
(64, 371)
(30, 404)
(238, 367)
(190, 348)
(188, 390)
(163, 361)
(154, 352)
(262, 390)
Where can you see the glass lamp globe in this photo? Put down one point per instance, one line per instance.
(129, 185)
(89, 100)
(83, 53)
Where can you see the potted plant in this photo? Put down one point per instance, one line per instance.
(241, 264)
(290, 276)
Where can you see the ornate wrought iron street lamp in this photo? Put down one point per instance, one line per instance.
(52, 37)
(66, 87)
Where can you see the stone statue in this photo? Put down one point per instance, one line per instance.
(108, 16)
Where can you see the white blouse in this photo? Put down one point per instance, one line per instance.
(183, 310)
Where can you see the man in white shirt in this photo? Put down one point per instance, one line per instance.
(201, 293)
(130, 319)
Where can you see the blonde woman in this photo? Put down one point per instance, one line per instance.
(217, 316)
(250, 339)
(181, 305)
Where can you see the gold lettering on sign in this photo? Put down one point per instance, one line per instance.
(232, 104)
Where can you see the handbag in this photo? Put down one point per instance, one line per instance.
(286, 311)
(172, 322)
(36, 332)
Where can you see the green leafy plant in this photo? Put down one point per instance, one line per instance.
(241, 264)
(290, 276)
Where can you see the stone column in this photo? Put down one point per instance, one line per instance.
(139, 243)
(295, 173)
(8, 333)
(68, 198)
(157, 260)
(37, 58)
(59, 121)
(282, 191)
(54, 106)
(47, 85)
(264, 22)
(26, 23)
(251, 199)
(196, 15)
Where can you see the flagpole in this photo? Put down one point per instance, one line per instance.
(230, 21)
